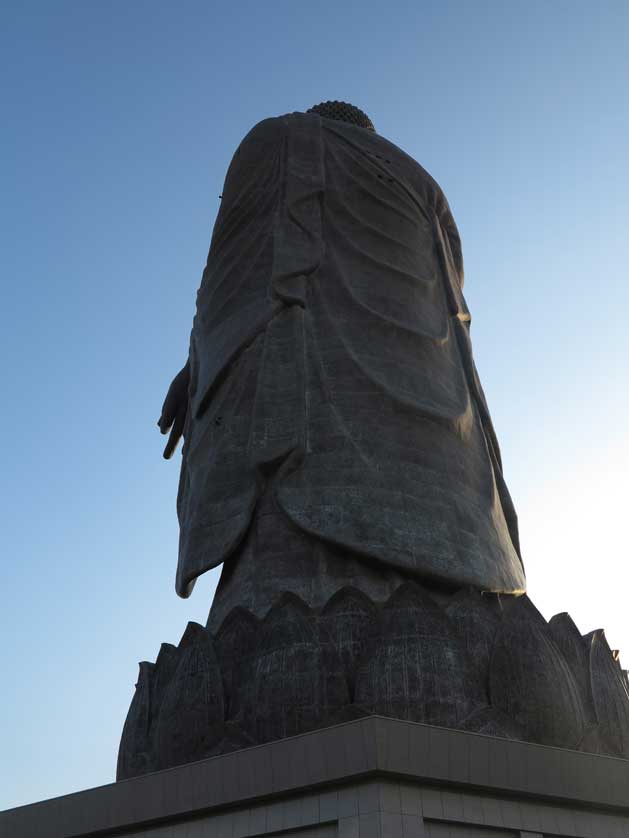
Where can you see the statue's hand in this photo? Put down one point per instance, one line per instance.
(175, 409)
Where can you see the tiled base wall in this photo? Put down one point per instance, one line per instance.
(385, 809)
(370, 778)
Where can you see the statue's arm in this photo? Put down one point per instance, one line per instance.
(175, 410)
(261, 143)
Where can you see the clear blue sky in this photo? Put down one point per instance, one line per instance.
(119, 120)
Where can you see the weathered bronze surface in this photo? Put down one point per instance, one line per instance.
(331, 382)
(340, 462)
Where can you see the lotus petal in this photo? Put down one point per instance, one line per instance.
(349, 620)
(567, 638)
(165, 665)
(134, 753)
(192, 712)
(522, 609)
(298, 679)
(236, 642)
(530, 681)
(476, 617)
(415, 668)
(609, 693)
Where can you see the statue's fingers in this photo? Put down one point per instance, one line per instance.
(164, 424)
(171, 445)
(175, 434)
(168, 414)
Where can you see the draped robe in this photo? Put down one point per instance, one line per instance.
(331, 361)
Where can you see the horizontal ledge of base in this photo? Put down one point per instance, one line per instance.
(374, 747)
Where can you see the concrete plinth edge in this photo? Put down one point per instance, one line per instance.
(370, 778)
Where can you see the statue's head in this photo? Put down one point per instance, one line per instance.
(344, 112)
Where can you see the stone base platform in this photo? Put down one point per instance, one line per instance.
(370, 778)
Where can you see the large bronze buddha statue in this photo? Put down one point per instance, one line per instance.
(335, 428)
(340, 463)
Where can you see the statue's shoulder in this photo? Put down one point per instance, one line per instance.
(267, 135)
(273, 126)
(276, 127)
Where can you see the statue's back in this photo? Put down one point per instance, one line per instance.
(331, 369)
